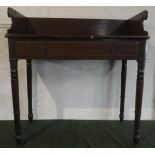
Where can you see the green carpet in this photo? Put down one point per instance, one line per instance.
(77, 134)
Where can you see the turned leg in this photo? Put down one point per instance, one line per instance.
(15, 98)
(123, 86)
(29, 89)
(139, 96)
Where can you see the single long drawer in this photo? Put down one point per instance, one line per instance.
(91, 49)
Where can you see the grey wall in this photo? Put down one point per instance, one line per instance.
(78, 89)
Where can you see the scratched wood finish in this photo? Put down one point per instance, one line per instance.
(64, 38)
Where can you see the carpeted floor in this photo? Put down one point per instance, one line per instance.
(77, 134)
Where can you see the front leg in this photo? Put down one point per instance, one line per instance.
(139, 96)
(29, 89)
(123, 86)
(15, 98)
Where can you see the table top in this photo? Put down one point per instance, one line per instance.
(74, 28)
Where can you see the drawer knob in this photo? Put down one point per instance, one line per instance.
(112, 52)
(44, 50)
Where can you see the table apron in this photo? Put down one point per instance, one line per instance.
(77, 50)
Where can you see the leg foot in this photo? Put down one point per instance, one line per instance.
(121, 118)
(18, 139)
(136, 138)
(30, 117)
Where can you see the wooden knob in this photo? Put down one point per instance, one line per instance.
(44, 50)
(112, 52)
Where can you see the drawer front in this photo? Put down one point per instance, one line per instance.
(77, 49)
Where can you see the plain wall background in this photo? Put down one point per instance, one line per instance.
(78, 89)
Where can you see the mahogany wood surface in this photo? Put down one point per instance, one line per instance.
(73, 38)
(86, 49)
